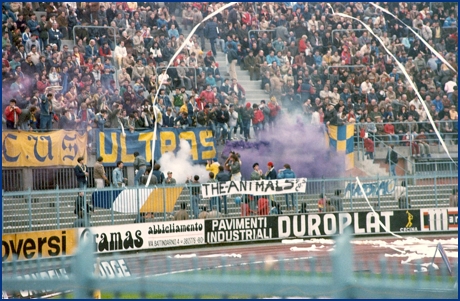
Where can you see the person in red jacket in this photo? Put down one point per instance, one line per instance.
(245, 210)
(207, 95)
(274, 110)
(105, 51)
(257, 120)
(346, 56)
(303, 44)
(12, 115)
(262, 206)
(389, 129)
(369, 147)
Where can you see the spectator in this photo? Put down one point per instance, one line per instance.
(170, 180)
(82, 209)
(335, 202)
(369, 147)
(117, 176)
(55, 36)
(145, 178)
(196, 193)
(287, 173)
(81, 173)
(100, 179)
(140, 165)
(182, 214)
(12, 113)
(233, 163)
(158, 173)
(392, 160)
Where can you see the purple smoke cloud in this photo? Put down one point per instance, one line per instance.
(301, 146)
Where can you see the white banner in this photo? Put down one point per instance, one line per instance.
(260, 187)
(143, 236)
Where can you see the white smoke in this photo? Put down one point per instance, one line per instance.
(181, 164)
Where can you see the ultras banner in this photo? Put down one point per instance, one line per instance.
(30, 149)
(113, 146)
(260, 187)
(309, 225)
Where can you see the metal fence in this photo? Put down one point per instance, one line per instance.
(406, 141)
(54, 209)
(12, 180)
(338, 277)
(113, 43)
(191, 74)
(270, 34)
(49, 178)
(344, 30)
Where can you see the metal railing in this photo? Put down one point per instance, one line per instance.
(176, 81)
(432, 139)
(54, 209)
(62, 177)
(114, 43)
(314, 277)
(344, 30)
(258, 31)
(436, 167)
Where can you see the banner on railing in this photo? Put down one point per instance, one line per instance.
(113, 146)
(260, 187)
(372, 189)
(154, 200)
(32, 245)
(30, 149)
(144, 236)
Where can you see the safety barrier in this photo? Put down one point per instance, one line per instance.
(432, 139)
(104, 28)
(54, 209)
(344, 30)
(258, 31)
(84, 275)
(176, 81)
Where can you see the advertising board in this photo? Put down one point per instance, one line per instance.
(144, 236)
(31, 245)
(310, 225)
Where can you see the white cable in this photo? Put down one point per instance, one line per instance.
(401, 67)
(154, 137)
(438, 55)
(372, 208)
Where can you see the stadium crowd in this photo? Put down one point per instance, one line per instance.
(309, 62)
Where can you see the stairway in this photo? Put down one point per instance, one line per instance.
(370, 167)
(254, 93)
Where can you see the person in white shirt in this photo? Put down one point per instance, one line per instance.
(315, 117)
(449, 86)
(163, 79)
(120, 53)
(416, 102)
(425, 32)
(334, 96)
(34, 55)
(232, 121)
(366, 86)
